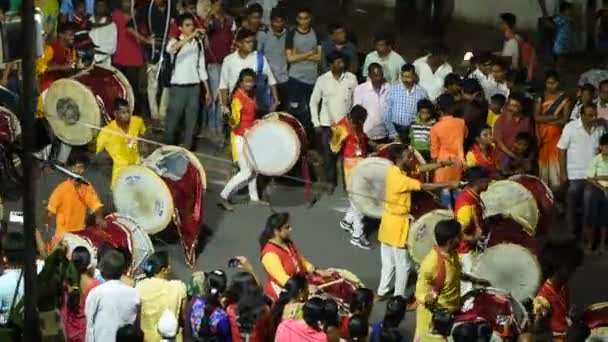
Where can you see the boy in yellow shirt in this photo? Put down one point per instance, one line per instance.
(119, 138)
(497, 101)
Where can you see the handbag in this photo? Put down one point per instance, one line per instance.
(10, 330)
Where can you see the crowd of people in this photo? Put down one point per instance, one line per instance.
(199, 72)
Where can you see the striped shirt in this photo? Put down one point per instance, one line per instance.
(401, 106)
(420, 135)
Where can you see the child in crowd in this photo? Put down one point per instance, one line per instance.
(420, 131)
(584, 95)
(596, 199)
(497, 102)
(348, 138)
(522, 148)
(483, 152)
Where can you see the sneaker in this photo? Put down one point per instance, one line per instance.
(260, 203)
(347, 226)
(361, 242)
(225, 204)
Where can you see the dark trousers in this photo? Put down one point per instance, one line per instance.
(299, 94)
(183, 104)
(136, 77)
(283, 89)
(330, 159)
(574, 201)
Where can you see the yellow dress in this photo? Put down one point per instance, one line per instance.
(123, 150)
(158, 295)
(449, 295)
(395, 224)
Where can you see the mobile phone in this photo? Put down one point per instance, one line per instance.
(234, 263)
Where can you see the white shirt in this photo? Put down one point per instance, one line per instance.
(106, 38)
(233, 64)
(483, 80)
(109, 306)
(373, 101)
(8, 285)
(511, 49)
(581, 147)
(336, 97)
(492, 88)
(391, 65)
(189, 65)
(431, 82)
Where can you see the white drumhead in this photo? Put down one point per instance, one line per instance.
(141, 244)
(511, 199)
(511, 268)
(272, 147)
(74, 241)
(421, 237)
(368, 185)
(142, 195)
(164, 151)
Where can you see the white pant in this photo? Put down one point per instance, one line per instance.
(466, 262)
(246, 174)
(355, 217)
(158, 111)
(396, 264)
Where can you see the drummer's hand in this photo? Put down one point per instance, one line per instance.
(226, 110)
(244, 263)
(323, 273)
(430, 298)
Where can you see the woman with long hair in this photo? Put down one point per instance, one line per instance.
(280, 257)
(72, 312)
(309, 329)
(291, 300)
(158, 293)
(249, 313)
(206, 319)
(361, 303)
(551, 113)
(393, 316)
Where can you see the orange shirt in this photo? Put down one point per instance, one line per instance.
(69, 203)
(447, 140)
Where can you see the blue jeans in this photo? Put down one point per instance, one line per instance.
(213, 113)
(447, 197)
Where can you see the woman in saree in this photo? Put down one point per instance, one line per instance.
(551, 113)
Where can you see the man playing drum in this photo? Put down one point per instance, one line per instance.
(439, 279)
(119, 138)
(70, 200)
(348, 138)
(395, 222)
(468, 210)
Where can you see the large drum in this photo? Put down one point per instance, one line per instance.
(76, 106)
(120, 232)
(505, 229)
(167, 187)
(421, 237)
(510, 267)
(275, 143)
(339, 286)
(596, 318)
(506, 315)
(367, 185)
(384, 151)
(510, 198)
(10, 127)
(544, 199)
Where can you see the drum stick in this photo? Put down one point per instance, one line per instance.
(331, 283)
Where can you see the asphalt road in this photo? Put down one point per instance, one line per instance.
(315, 230)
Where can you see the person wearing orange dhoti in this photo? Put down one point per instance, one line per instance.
(447, 141)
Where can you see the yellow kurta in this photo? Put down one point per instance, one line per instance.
(158, 295)
(449, 295)
(395, 224)
(123, 150)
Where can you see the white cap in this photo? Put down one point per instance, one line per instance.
(167, 325)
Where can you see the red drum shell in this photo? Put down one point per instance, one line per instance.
(297, 126)
(114, 234)
(108, 86)
(384, 151)
(9, 124)
(493, 308)
(341, 292)
(596, 315)
(544, 199)
(505, 229)
(424, 202)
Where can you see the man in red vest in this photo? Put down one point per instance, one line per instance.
(59, 58)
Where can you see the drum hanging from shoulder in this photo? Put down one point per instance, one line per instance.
(76, 106)
(167, 187)
(10, 127)
(504, 229)
(510, 267)
(506, 315)
(367, 185)
(275, 143)
(596, 318)
(119, 232)
(544, 199)
(421, 238)
(511, 199)
(339, 286)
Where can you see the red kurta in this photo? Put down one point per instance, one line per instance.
(354, 143)
(62, 55)
(559, 300)
(290, 260)
(488, 162)
(245, 108)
